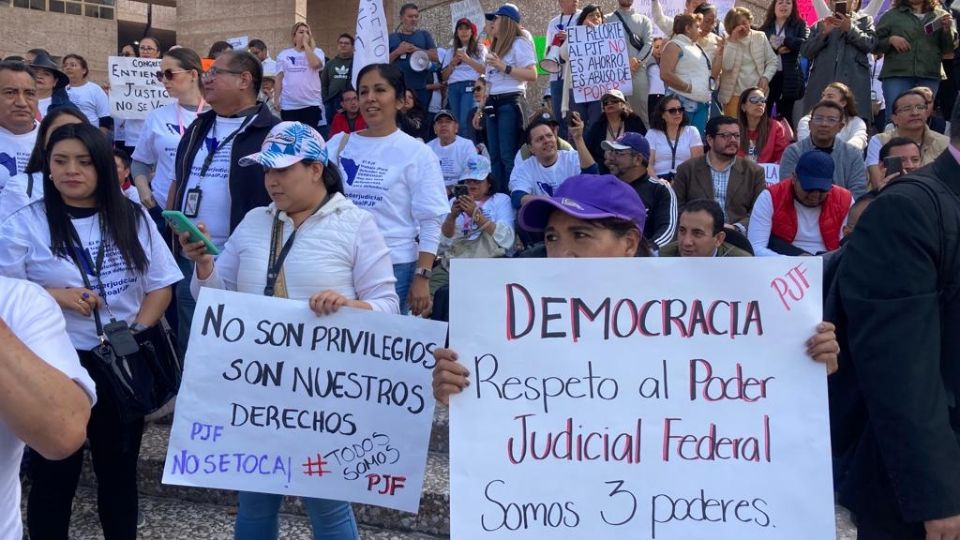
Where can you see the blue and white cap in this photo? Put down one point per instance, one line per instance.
(286, 144)
(477, 167)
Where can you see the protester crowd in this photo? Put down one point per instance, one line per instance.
(740, 138)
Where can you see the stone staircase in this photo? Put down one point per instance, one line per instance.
(179, 513)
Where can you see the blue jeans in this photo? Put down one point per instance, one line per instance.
(503, 137)
(460, 103)
(404, 274)
(697, 113)
(257, 518)
(186, 305)
(556, 96)
(894, 86)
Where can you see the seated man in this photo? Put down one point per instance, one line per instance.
(910, 115)
(349, 119)
(701, 233)
(802, 215)
(452, 150)
(826, 121)
(548, 167)
(910, 160)
(550, 120)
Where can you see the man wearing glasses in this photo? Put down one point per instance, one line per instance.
(826, 121)
(210, 187)
(802, 215)
(910, 112)
(718, 175)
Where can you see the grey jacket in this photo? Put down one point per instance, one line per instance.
(841, 56)
(849, 169)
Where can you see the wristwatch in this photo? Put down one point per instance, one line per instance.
(508, 69)
(423, 272)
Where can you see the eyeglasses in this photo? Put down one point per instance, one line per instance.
(609, 101)
(825, 120)
(214, 71)
(756, 100)
(908, 108)
(675, 110)
(168, 74)
(726, 136)
(149, 49)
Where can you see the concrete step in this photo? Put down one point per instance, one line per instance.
(433, 517)
(171, 519)
(438, 436)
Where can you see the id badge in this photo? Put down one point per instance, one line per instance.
(469, 90)
(191, 206)
(873, 95)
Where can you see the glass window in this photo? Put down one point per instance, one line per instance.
(73, 8)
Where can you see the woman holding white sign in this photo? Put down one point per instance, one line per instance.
(311, 244)
(180, 73)
(590, 16)
(128, 131)
(595, 216)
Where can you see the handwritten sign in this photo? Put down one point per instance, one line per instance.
(599, 61)
(467, 9)
(277, 400)
(134, 87)
(771, 172)
(677, 406)
(372, 44)
(672, 8)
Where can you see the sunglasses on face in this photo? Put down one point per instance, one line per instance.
(609, 102)
(168, 74)
(756, 100)
(675, 110)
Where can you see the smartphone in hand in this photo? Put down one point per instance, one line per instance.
(181, 224)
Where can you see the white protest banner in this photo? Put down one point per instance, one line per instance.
(771, 171)
(372, 42)
(240, 42)
(134, 87)
(599, 61)
(467, 9)
(278, 400)
(672, 8)
(639, 398)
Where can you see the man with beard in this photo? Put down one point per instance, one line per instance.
(826, 121)
(802, 215)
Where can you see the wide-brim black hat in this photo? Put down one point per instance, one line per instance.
(42, 61)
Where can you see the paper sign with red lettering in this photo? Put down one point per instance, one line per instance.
(599, 61)
(639, 398)
(278, 400)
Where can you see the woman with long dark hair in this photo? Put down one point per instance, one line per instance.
(397, 179)
(25, 188)
(762, 139)
(462, 72)
(672, 139)
(511, 64)
(787, 32)
(337, 258)
(180, 73)
(85, 231)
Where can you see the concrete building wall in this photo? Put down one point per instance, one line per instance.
(201, 22)
(25, 29)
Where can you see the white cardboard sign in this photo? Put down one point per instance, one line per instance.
(278, 400)
(771, 172)
(663, 399)
(599, 61)
(134, 87)
(372, 42)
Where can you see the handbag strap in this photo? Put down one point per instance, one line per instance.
(80, 258)
(633, 38)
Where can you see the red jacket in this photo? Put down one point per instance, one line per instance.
(832, 213)
(340, 124)
(777, 142)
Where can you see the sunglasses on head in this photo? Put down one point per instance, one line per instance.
(674, 110)
(168, 74)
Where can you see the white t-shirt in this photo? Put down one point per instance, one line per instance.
(158, 145)
(656, 83)
(25, 253)
(14, 194)
(497, 209)
(452, 157)
(533, 178)
(91, 100)
(521, 55)
(464, 72)
(663, 154)
(131, 131)
(301, 84)
(808, 236)
(398, 180)
(215, 185)
(15, 152)
(34, 317)
(132, 194)
(42, 105)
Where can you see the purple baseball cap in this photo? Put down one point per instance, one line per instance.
(587, 197)
(629, 141)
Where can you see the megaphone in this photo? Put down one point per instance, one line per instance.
(551, 60)
(419, 61)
